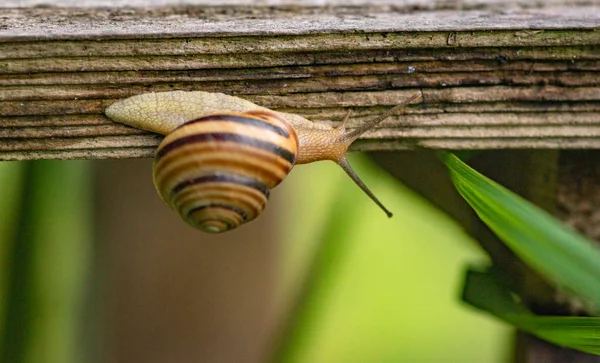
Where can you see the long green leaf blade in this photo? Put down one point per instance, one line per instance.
(556, 252)
(47, 264)
(484, 291)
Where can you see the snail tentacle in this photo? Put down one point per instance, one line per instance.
(333, 145)
(343, 162)
(359, 131)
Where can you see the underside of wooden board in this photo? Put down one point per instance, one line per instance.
(492, 74)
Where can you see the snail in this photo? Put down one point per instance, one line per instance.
(222, 154)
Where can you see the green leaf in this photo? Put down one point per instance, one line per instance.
(556, 252)
(47, 262)
(486, 292)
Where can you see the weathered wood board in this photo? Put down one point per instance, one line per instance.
(493, 75)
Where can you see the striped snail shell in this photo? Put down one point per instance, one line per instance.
(217, 171)
(222, 154)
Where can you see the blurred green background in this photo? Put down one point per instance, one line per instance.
(89, 275)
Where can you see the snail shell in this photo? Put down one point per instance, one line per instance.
(217, 171)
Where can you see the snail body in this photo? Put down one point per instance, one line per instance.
(162, 112)
(222, 154)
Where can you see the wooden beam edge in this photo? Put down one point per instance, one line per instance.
(46, 24)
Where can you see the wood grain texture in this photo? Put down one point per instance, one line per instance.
(493, 74)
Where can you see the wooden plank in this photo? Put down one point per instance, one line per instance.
(491, 76)
(179, 22)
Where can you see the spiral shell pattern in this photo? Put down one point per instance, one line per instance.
(217, 171)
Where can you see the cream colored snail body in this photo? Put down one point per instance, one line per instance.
(222, 154)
